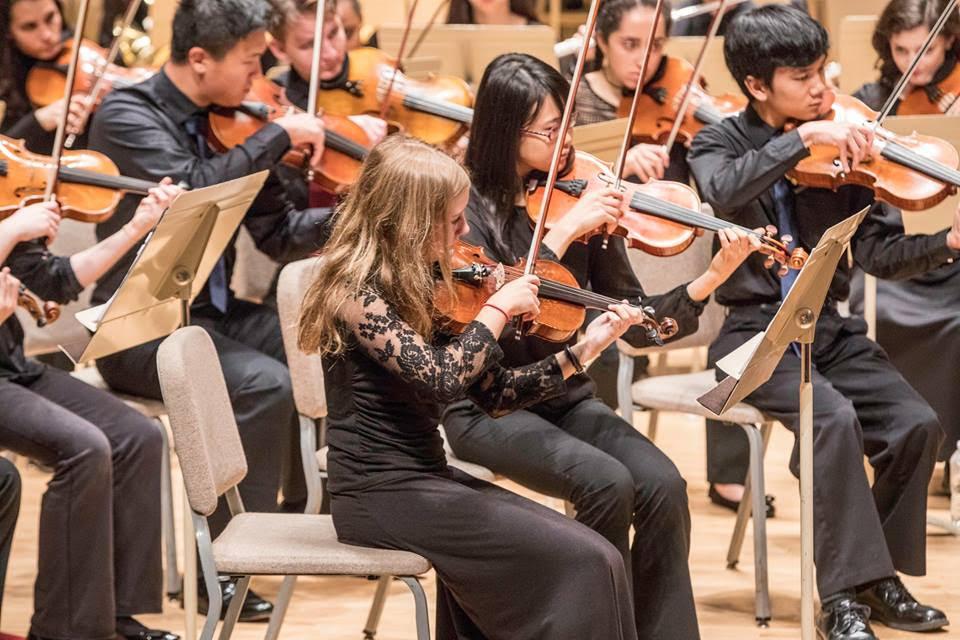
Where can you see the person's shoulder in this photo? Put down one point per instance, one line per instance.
(872, 94)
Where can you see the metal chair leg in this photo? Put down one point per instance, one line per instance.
(420, 599)
(760, 574)
(376, 607)
(189, 573)
(624, 383)
(280, 607)
(743, 512)
(233, 611)
(210, 577)
(174, 586)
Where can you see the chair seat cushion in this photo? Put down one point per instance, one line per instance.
(680, 392)
(302, 544)
(475, 470)
(147, 406)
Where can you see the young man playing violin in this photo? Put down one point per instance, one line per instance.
(864, 535)
(158, 128)
(99, 541)
(292, 43)
(914, 340)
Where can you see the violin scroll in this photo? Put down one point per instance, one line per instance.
(43, 312)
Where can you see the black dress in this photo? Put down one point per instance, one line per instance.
(917, 321)
(507, 567)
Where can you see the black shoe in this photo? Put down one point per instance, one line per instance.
(255, 608)
(734, 505)
(891, 604)
(844, 619)
(131, 629)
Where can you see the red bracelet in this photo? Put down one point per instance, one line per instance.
(493, 306)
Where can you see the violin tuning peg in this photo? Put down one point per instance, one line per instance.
(783, 270)
(787, 239)
(768, 262)
(649, 310)
(771, 230)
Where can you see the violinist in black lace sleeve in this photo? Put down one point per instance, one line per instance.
(391, 369)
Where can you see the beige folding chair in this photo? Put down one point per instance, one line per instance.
(213, 463)
(679, 393)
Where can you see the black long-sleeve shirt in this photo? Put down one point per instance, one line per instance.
(143, 129)
(736, 163)
(50, 277)
(604, 271)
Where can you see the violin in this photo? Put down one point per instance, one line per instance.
(934, 99)
(563, 303)
(660, 103)
(912, 172)
(346, 143)
(89, 187)
(437, 110)
(662, 217)
(46, 81)
(42, 312)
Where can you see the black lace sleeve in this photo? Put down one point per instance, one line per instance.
(464, 365)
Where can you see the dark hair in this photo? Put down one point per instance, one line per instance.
(462, 13)
(215, 25)
(761, 40)
(513, 88)
(611, 14)
(13, 67)
(283, 12)
(903, 15)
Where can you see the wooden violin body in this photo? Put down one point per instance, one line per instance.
(46, 82)
(437, 110)
(346, 145)
(89, 188)
(563, 303)
(659, 104)
(650, 234)
(932, 100)
(912, 172)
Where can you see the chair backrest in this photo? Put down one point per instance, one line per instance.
(659, 275)
(204, 429)
(254, 271)
(306, 370)
(73, 237)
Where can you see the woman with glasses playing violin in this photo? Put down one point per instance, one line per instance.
(99, 541)
(573, 446)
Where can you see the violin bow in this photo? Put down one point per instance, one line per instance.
(385, 105)
(540, 228)
(695, 76)
(427, 27)
(100, 73)
(50, 191)
(628, 134)
(905, 78)
(312, 93)
(685, 13)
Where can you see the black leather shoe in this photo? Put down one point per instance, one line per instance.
(255, 608)
(132, 629)
(734, 505)
(844, 619)
(891, 604)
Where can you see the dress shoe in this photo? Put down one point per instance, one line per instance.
(255, 608)
(132, 629)
(844, 619)
(734, 505)
(891, 604)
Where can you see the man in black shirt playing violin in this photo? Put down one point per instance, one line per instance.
(863, 535)
(159, 127)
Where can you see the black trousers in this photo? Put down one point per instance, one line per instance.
(99, 540)
(507, 567)
(862, 406)
(615, 477)
(250, 348)
(9, 510)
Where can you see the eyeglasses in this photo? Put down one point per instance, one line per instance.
(550, 134)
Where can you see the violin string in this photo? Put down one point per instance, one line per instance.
(675, 213)
(447, 110)
(576, 294)
(94, 179)
(345, 145)
(909, 158)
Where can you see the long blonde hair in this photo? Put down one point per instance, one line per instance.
(384, 240)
